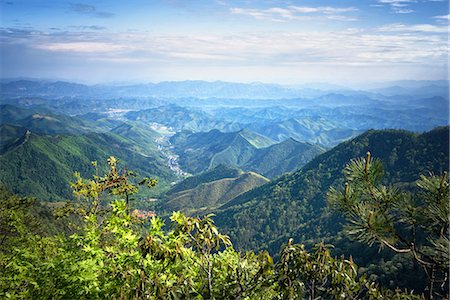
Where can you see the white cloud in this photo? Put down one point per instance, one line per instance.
(403, 10)
(394, 43)
(297, 13)
(397, 3)
(423, 28)
(322, 9)
(389, 47)
(444, 17)
(82, 47)
(399, 6)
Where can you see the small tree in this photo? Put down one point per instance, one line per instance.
(413, 223)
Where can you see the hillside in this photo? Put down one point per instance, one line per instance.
(9, 134)
(211, 189)
(142, 136)
(219, 172)
(180, 118)
(243, 149)
(11, 113)
(283, 157)
(42, 166)
(42, 121)
(204, 150)
(315, 130)
(294, 205)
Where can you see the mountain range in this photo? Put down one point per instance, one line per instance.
(294, 205)
(216, 89)
(243, 149)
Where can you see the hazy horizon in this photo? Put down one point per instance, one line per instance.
(363, 84)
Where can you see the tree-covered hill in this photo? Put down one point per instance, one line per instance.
(180, 118)
(205, 150)
(10, 113)
(316, 130)
(10, 134)
(142, 136)
(294, 205)
(283, 157)
(219, 172)
(42, 121)
(42, 165)
(242, 149)
(114, 254)
(204, 192)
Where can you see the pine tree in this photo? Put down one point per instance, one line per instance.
(413, 223)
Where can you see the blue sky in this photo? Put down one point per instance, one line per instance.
(290, 42)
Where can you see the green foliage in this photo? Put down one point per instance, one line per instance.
(318, 275)
(405, 222)
(114, 256)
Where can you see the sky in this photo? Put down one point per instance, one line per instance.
(286, 42)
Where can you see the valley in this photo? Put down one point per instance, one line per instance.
(262, 166)
(187, 134)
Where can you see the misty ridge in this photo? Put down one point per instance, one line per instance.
(171, 130)
(412, 105)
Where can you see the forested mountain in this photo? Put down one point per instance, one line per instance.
(219, 172)
(283, 157)
(180, 118)
(315, 130)
(9, 134)
(43, 121)
(294, 205)
(244, 149)
(202, 151)
(143, 137)
(43, 165)
(11, 113)
(202, 193)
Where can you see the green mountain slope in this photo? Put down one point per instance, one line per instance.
(42, 121)
(142, 136)
(219, 172)
(180, 118)
(11, 113)
(209, 191)
(281, 158)
(53, 124)
(294, 205)
(42, 166)
(9, 134)
(315, 130)
(257, 140)
(205, 150)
